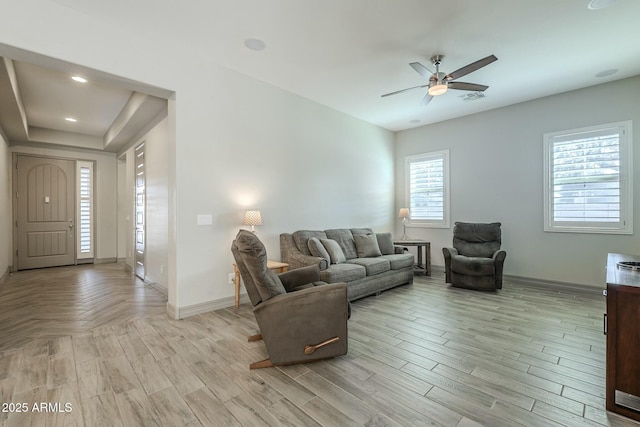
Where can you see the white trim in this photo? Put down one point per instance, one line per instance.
(81, 164)
(625, 226)
(445, 222)
(204, 307)
(554, 284)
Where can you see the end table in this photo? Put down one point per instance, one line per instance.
(421, 245)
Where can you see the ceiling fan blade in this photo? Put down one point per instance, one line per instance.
(467, 86)
(471, 67)
(421, 69)
(426, 100)
(403, 90)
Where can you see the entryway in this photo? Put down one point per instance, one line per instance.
(53, 211)
(45, 212)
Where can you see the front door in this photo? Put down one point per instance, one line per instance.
(45, 222)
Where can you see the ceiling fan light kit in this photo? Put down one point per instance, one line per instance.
(439, 82)
(437, 89)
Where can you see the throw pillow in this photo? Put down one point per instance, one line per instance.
(317, 249)
(385, 242)
(334, 250)
(366, 245)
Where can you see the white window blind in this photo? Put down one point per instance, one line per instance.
(428, 189)
(85, 210)
(588, 181)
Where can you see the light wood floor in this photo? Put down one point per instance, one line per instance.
(423, 354)
(53, 302)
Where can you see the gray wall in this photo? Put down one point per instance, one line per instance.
(497, 175)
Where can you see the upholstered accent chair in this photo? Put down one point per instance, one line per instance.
(301, 319)
(475, 261)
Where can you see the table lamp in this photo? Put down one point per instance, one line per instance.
(252, 218)
(405, 215)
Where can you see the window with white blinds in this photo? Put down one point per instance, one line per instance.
(85, 210)
(588, 183)
(427, 189)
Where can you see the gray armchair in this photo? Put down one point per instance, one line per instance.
(475, 261)
(301, 319)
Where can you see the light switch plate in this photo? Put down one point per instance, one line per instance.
(205, 219)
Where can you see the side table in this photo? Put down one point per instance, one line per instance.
(424, 268)
(276, 266)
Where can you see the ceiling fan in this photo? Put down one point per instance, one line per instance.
(439, 82)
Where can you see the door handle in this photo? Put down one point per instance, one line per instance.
(70, 223)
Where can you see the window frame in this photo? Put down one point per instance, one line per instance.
(625, 225)
(445, 221)
(80, 254)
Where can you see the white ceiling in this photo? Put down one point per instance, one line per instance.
(35, 102)
(50, 96)
(346, 53)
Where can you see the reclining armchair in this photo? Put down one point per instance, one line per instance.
(301, 319)
(475, 261)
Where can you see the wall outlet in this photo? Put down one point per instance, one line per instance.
(232, 278)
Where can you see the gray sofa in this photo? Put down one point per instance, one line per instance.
(367, 262)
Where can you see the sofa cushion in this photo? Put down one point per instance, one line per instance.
(317, 249)
(301, 237)
(355, 231)
(366, 245)
(334, 250)
(344, 237)
(385, 243)
(343, 273)
(372, 266)
(399, 261)
(473, 266)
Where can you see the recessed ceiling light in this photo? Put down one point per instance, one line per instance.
(70, 119)
(600, 4)
(415, 121)
(607, 73)
(255, 44)
(79, 79)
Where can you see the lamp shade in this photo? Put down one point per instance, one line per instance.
(252, 218)
(404, 213)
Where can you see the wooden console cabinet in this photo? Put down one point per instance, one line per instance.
(622, 326)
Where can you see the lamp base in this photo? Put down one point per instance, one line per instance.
(404, 233)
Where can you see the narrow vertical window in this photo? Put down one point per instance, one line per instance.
(427, 187)
(85, 210)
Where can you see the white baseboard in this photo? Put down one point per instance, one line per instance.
(204, 307)
(105, 260)
(157, 286)
(172, 312)
(553, 284)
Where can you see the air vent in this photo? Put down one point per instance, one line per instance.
(472, 96)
